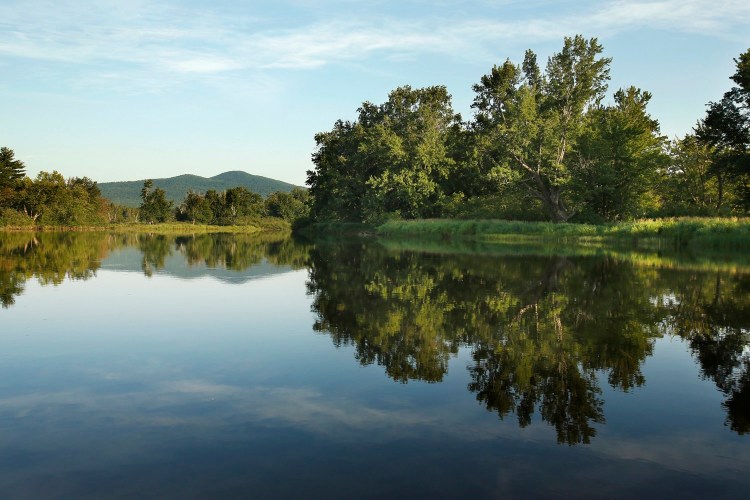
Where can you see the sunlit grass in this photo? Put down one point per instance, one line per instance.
(681, 231)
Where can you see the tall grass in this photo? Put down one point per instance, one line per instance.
(722, 232)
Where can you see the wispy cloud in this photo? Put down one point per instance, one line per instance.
(159, 43)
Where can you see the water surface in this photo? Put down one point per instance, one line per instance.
(235, 366)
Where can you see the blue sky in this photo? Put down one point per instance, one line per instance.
(117, 90)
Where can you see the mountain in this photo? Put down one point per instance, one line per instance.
(129, 192)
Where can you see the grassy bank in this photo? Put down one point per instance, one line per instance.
(714, 232)
(260, 226)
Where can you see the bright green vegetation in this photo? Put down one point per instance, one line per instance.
(704, 231)
(544, 144)
(176, 188)
(48, 200)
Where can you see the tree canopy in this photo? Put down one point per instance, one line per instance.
(542, 143)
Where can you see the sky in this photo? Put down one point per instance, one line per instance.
(127, 90)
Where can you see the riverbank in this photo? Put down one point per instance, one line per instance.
(267, 224)
(714, 232)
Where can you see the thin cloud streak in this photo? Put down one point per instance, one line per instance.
(161, 43)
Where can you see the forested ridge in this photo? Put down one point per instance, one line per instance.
(543, 144)
(128, 193)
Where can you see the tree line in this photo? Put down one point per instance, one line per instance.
(542, 145)
(233, 206)
(52, 200)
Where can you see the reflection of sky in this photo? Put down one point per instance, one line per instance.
(128, 384)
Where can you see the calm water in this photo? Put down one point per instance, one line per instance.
(237, 366)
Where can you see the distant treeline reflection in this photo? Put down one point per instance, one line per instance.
(542, 329)
(53, 257)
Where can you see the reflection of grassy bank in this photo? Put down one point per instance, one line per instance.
(696, 258)
(261, 225)
(713, 232)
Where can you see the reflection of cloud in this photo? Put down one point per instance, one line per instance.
(144, 422)
(695, 453)
(150, 41)
(267, 406)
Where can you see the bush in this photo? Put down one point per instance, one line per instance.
(13, 218)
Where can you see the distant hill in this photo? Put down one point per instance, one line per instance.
(129, 192)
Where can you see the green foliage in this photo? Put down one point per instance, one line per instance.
(690, 186)
(390, 162)
(195, 208)
(726, 129)
(47, 200)
(530, 121)
(619, 157)
(289, 206)
(539, 140)
(229, 207)
(15, 219)
(121, 214)
(11, 177)
(154, 204)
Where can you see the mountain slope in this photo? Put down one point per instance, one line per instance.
(129, 192)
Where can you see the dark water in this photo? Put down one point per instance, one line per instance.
(237, 366)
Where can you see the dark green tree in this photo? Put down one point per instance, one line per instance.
(195, 208)
(154, 207)
(12, 171)
(689, 186)
(618, 160)
(288, 206)
(726, 128)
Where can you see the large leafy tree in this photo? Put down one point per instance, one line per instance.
(690, 186)
(50, 199)
(726, 128)
(288, 206)
(618, 159)
(531, 119)
(154, 206)
(195, 208)
(391, 160)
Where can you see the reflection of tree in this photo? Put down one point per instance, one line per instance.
(11, 284)
(390, 311)
(155, 248)
(53, 257)
(541, 329)
(712, 312)
(240, 251)
(50, 257)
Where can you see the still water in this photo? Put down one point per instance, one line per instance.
(240, 366)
